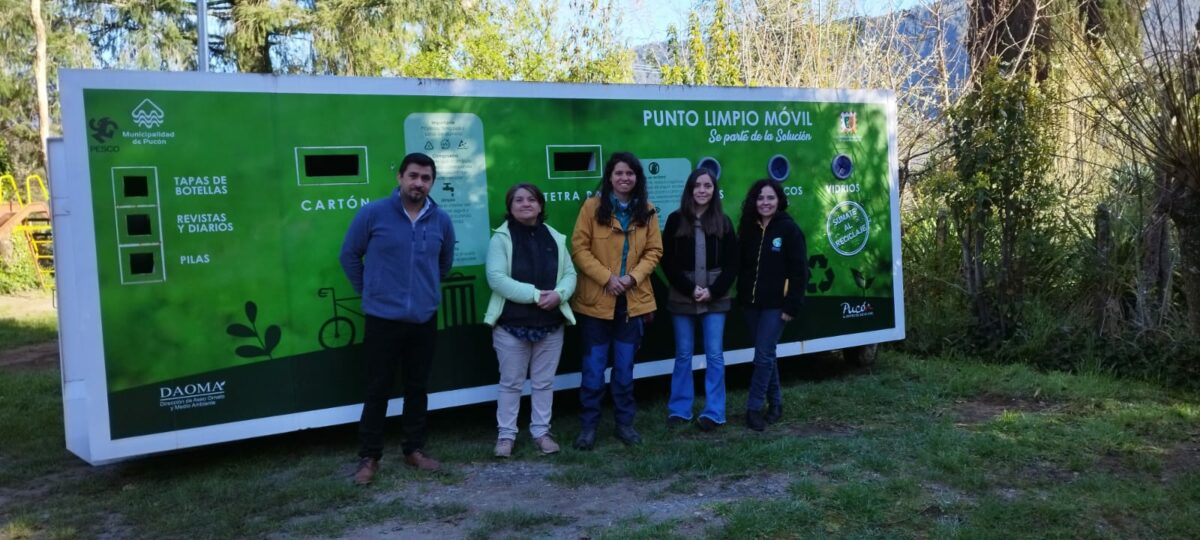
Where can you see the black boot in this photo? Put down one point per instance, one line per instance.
(628, 435)
(774, 412)
(755, 420)
(586, 439)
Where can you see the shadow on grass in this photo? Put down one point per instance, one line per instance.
(25, 331)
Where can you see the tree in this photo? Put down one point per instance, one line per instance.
(21, 122)
(697, 52)
(5, 160)
(592, 51)
(674, 71)
(723, 48)
(1001, 141)
(511, 41)
(151, 35)
(1146, 83)
(39, 76)
(1016, 32)
(257, 31)
(394, 38)
(711, 55)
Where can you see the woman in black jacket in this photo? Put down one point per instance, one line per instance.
(774, 273)
(700, 259)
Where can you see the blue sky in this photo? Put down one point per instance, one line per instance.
(647, 20)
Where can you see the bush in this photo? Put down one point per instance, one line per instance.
(16, 271)
(1055, 324)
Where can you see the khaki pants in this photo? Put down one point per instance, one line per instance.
(520, 359)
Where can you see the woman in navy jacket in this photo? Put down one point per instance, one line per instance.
(774, 273)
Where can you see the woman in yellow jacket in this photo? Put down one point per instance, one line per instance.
(615, 246)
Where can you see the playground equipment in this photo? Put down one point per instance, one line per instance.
(29, 215)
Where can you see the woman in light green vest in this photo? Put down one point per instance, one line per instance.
(531, 275)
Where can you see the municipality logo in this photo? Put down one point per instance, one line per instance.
(848, 123)
(191, 396)
(854, 311)
(654, 168)
(103, 129)
(147, 114)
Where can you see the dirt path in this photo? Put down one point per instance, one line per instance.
(38, 354)
(501, 487)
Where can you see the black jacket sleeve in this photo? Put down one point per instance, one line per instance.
(797, 271)
(729, 258)
(671, 254)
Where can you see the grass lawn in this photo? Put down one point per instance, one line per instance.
(945, 448)
(27, 318)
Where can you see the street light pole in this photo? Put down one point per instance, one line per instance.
(202, 35)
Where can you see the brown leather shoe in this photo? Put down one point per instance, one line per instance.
(367, 467)
(421, 461)
(504, 448)
(546, 445)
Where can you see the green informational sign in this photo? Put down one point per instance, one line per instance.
(199, 218)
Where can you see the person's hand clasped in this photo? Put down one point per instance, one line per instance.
(702, 294)
(548, 300)
(785, 317)
(615, 286)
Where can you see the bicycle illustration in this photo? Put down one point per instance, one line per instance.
(339, 331)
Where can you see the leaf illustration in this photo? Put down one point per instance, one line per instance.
(271, 339)
(858, 278)
(869, 282)
(251, 311)
(250, 351)
(826, 285)
(240, 330)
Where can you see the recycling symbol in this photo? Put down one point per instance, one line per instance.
(861, 280)
(819, 261)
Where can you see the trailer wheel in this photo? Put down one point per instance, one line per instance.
(862, 356)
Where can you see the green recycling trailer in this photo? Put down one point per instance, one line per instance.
(198, 218)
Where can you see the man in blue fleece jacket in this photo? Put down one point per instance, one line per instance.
(396, 253)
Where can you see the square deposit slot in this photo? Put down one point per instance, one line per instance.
(138, 225)
(136, 186)
(141, 264)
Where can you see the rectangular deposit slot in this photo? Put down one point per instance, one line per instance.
(573, 161)
(331, 165)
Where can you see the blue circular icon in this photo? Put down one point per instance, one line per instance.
(712, 165)
(778, 168)
(843, 166)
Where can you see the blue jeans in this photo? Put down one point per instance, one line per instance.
(622, 336)
(766, 327)
(682, 388)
